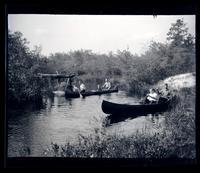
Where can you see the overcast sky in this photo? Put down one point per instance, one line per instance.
(101, 34)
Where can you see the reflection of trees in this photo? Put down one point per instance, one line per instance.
(69, 101)
(48, 102)
(59, 101)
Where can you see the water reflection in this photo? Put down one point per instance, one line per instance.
(112, 119)
(47, 101)
(108, 96)
(60, 120)
(59, 101)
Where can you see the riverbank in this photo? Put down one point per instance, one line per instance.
(178, 82)
(177, 139)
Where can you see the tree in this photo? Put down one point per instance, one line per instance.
(181, 51)
(177, 33)
(37, 51)
(179, 36)
(23, 66)
(189, 42)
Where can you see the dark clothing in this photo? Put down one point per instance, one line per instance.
(69, 85)
(82, 91)
(162, 100)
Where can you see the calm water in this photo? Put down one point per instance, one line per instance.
(61, 120)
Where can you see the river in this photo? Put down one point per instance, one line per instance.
(61, 120)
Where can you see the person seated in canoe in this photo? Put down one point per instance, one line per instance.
(75, 89)
(98, 88)
(106, 85)
(166, 91)
(165, 94)
(82, 87)
(70, 88)
(152, 97)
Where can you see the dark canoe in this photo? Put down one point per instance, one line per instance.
(72, 94)
(133, 110)
(90, 93)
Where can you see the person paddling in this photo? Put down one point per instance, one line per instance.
(82, 87)
(98, 88)
(107, 85)
(69, 86)
(152, 97)
(166, 92)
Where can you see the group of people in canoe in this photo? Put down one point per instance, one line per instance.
(156, 96)
(70, 87)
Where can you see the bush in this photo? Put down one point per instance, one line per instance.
(177, 139)
(23, 66)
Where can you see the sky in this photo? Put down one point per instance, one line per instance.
(99, 33)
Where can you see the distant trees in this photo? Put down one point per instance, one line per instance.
(163, 60)
(131, 72)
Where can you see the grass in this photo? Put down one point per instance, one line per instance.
(176, 140)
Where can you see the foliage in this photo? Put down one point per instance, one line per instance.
(23, 66)
(177, 139)
(132, 73)
(177, 32)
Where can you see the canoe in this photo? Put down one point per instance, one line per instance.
(72, 94)
(98, 92)
(59, 93)
(133, 110)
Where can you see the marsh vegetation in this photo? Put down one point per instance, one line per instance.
(133, 73)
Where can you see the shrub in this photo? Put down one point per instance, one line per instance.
(177, 139)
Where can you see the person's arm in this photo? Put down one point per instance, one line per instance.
(153, 97)
(109, 85)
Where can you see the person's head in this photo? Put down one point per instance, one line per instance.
(106, 80)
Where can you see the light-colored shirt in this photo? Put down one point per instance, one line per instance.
(165, 93)
(152, 96)
(75, 89)
(82, 87)
(107, 85)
